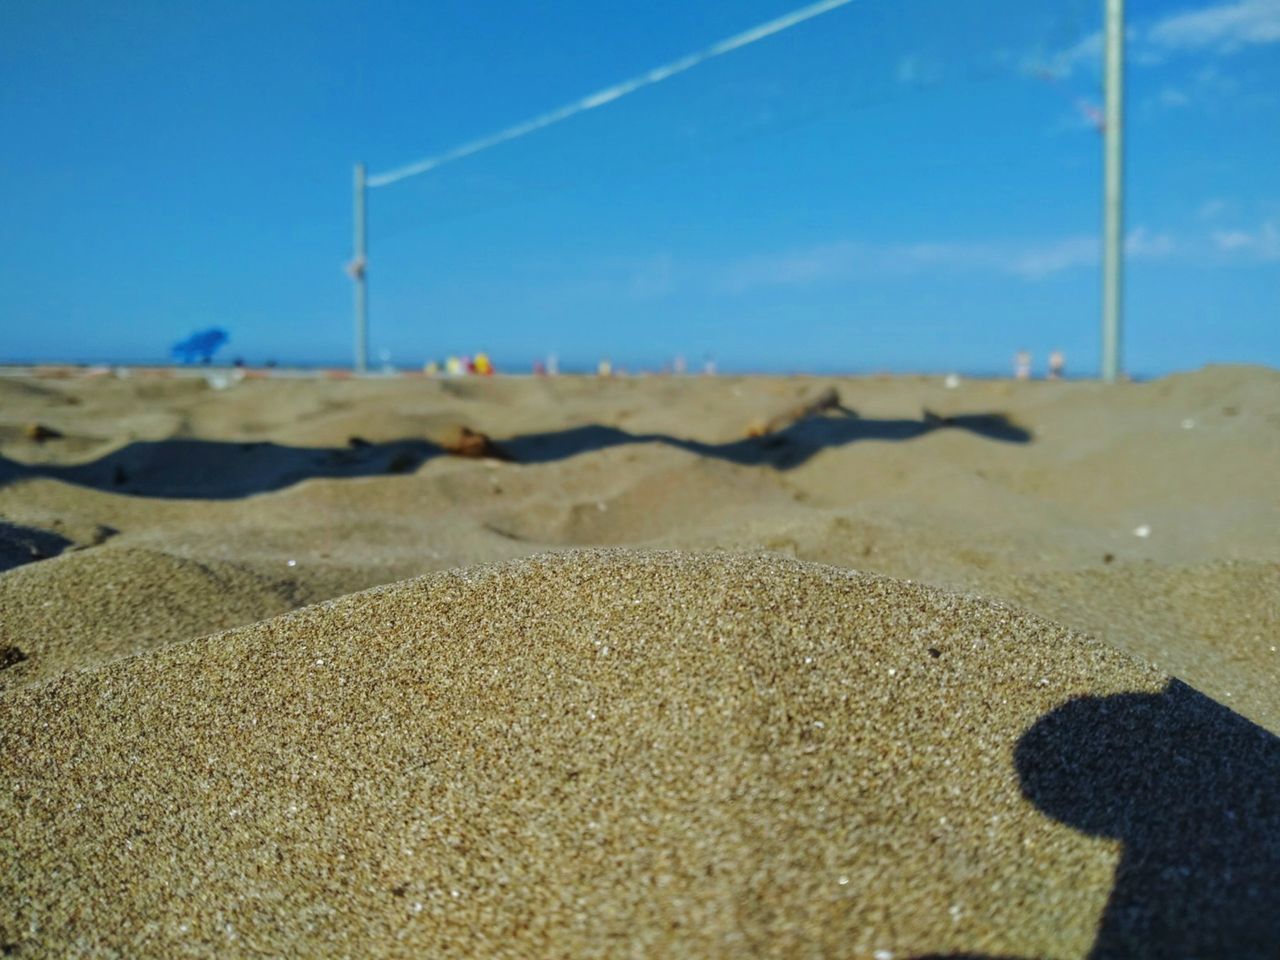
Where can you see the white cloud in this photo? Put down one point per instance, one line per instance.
(1221, 28)
(1260, 244)
(1210, 82)
(1085, 52)
(1144, 244)
(844, 260)
(795, 268)
(1229, 240)
(1038, 262)
(1212, 208)
(915, 70)
(1225, 27)
(1207, 85)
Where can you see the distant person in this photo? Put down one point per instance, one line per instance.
(453, 367)
(1022, 365)
(539, 368)
(553, 365)
(482, 365)
(1057, 365)
(709, 366)
(431, 368)
(604, 368)
(679, 365)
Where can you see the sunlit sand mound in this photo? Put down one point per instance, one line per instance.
(613, 754)
(1214, 625)
(86, 607)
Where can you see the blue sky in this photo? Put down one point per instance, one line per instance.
(897, 184)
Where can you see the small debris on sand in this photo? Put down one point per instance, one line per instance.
(10, 655)
(40, 433)
(472, 443)
(824, 402)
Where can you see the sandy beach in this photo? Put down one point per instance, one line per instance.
(983, 669)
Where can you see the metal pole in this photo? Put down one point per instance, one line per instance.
(358, 273)
(1113, 189)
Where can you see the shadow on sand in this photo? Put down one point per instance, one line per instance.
(19, 545)
(1192, 790)
(782, 450)
(209, 469)
(214, 470)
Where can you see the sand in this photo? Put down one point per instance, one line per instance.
(984, 780)
(604, 754)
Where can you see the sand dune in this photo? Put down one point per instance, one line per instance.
(617, 753)
(1218, 623)
(1032, 485)
(87, 607)
(167, 790)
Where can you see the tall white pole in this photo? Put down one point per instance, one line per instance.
(1113, 190)
(358, 273)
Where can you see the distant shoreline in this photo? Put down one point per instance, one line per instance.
(72, 369)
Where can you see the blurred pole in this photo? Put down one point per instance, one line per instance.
(358, 271)
(1113, 219)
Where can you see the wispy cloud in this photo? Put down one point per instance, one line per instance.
(1207, 85)
(1232, 239)
(917, 70)
(664, 274)
(1221, 29)
(845, 260)
(1086, 52)
(1145, 244)
(1038, 262)
(1225, 28)
(1212, 208)
(796, 267)
(1172, 97)
(1260, 244)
